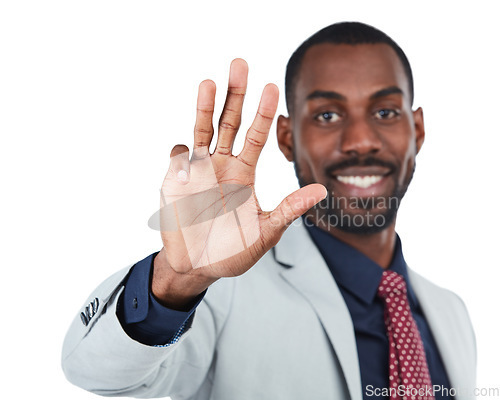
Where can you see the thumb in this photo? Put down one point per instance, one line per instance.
(294, 205)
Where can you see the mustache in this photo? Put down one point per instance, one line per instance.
(360, 162)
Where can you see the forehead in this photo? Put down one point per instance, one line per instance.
(354, 71)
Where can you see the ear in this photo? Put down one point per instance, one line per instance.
(418, 118)
(285, 138)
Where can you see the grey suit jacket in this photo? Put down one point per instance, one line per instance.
(280, 331)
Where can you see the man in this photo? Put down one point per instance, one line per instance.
(327, 309)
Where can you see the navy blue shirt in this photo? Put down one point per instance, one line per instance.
(147, 321)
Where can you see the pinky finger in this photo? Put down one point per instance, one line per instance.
(203, 129)
(179, 164)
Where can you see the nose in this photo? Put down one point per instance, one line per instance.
(360, 138)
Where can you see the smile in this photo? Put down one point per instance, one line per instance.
(360, 181)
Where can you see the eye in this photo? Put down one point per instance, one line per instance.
(387, 113)
(327, 116)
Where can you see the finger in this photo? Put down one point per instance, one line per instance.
(294, 205)
(259, 131)
(203, 129)
(179, 164)
(230, 119)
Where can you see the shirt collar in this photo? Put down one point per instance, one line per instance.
(354, 271)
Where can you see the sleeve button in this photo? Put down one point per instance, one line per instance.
(84, 318)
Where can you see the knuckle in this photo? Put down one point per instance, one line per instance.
(287, 209)
(203, 131)
(228, 126)
(252, 142)
(205, 110)
(223, 150)
(265, 116)
(199, 143)
(230, 110)
(236, 92)
(258, 132)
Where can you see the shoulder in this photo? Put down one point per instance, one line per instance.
(443, 308)
(451, 326)
(441, 297)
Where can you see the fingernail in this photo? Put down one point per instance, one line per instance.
(182, 176)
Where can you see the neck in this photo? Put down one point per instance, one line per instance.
(379, 247)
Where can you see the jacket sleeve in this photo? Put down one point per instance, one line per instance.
(100, 357)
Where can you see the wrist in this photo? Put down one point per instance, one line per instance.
(177, 291)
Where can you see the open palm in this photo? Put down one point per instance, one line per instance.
(210, 218)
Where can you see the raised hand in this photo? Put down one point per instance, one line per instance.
(210, 220)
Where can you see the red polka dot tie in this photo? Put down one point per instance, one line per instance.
(409, 377)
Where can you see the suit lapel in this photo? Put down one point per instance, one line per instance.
(308, 273)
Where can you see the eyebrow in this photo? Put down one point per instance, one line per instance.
(323, 94)
(386, 92)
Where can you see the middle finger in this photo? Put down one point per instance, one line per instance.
(230, 119)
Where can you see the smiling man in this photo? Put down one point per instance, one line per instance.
(327, 309)
(352, 128)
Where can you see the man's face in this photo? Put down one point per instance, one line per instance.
(352, 129)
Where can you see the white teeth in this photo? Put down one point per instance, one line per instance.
(360, 181)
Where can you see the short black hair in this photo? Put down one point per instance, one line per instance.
(352, 33)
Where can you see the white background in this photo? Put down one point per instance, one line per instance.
(93, 95)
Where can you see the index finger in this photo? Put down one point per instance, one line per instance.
(259, 131)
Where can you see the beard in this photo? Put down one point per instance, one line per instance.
(362, 216)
